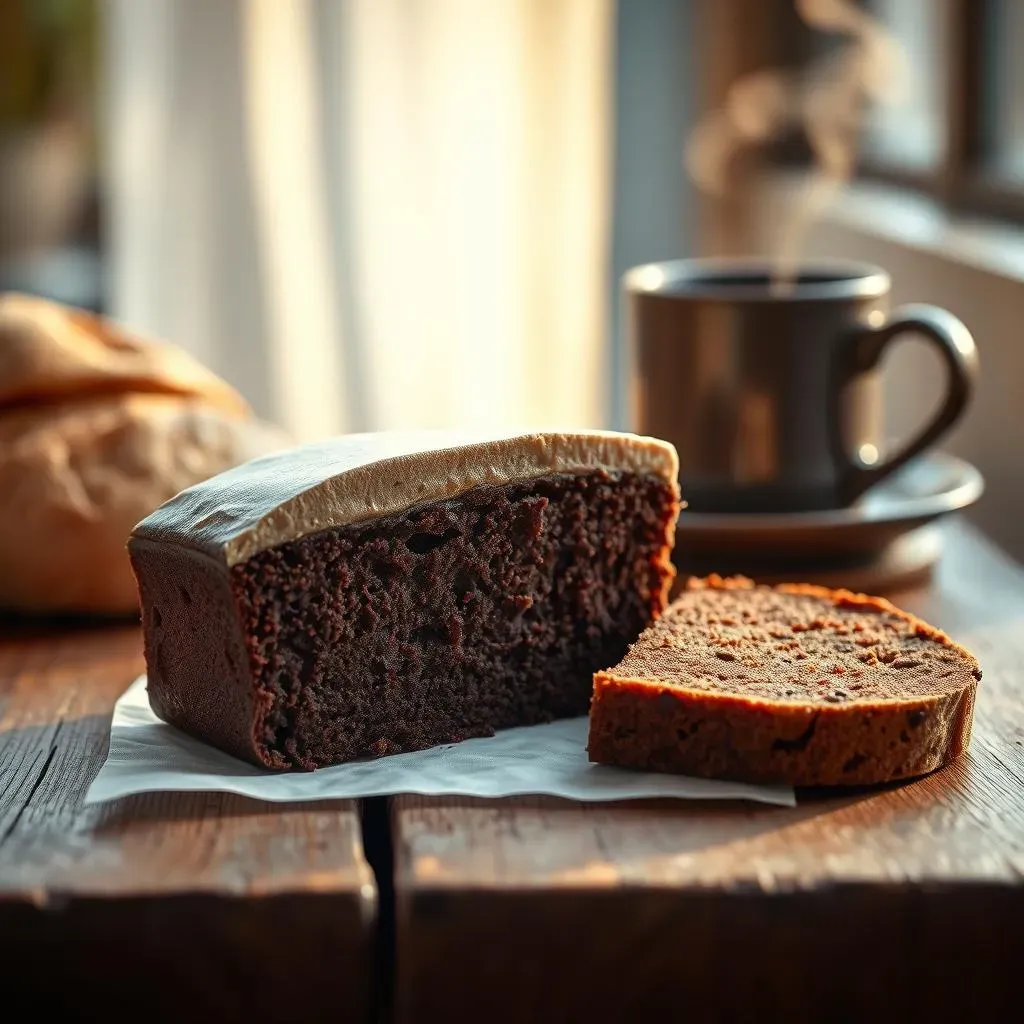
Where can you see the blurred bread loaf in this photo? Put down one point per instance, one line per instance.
(50, 352)
(97, 428)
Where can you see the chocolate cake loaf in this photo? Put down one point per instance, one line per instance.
(795, 684)
(381, 593)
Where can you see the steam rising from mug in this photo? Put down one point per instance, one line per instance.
(828, 99)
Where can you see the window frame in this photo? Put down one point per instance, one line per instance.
(963, 178)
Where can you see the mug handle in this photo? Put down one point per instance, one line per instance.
(863, 353)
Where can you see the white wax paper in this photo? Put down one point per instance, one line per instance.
(147, 755)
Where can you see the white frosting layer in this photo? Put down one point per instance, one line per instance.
(359, 477)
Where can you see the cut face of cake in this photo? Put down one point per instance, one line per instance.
(381, 593)
(795, 684)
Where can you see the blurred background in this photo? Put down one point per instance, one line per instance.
(383, 213)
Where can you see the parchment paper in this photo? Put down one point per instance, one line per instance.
(147, 755)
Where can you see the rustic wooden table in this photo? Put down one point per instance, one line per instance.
(905, 902)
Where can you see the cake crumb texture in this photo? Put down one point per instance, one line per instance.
(794, 684)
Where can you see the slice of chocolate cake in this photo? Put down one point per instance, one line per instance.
(795, 684)
(381, 593)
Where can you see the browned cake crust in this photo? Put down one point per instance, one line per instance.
(794, 684)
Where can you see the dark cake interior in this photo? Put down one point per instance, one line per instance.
(447, 621)
(795, 684)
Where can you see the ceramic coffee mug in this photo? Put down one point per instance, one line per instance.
(773, 398)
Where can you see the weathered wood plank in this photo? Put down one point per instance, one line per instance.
(869, 904)
(199, 904)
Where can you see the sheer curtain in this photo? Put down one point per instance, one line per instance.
(368, 213)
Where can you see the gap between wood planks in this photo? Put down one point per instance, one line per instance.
(375, 823)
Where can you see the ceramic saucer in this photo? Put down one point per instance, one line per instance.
(883, 537)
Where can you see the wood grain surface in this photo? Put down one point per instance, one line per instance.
(168, 906)
(905, 902)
